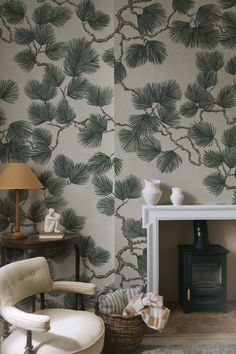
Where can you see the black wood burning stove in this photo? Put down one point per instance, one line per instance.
(202, 273)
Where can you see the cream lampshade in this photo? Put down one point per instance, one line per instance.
(18, 176)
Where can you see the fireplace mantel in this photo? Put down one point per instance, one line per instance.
(151, 215)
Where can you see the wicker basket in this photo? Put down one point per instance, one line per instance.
(123, 333)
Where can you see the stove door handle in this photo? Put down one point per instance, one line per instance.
(188, 294)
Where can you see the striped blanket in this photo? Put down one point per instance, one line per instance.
(150, 307)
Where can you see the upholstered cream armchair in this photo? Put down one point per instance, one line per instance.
(55, 331)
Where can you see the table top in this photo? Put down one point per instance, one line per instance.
(32, 241)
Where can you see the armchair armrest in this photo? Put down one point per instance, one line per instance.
(28, 321)
(75, 287)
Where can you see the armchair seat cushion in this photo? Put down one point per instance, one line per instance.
(71, 332)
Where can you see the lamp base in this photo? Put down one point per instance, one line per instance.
(17, 235)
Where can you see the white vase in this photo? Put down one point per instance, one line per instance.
(177, 196)
(152, 192)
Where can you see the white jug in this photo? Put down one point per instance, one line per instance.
(152, 192)
(177, 196)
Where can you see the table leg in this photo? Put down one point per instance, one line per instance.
(77, 262)
(78, 304)
(42, 302)
(33, 303)
(31, 253)
(3, 256)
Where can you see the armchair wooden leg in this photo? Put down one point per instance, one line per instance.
(29, 346)
(6, 330)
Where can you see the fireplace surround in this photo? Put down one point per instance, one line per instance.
(152, 215)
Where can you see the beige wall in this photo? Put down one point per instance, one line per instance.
(178, 232)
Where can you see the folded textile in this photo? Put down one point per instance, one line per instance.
(150, 307)
(115, 301)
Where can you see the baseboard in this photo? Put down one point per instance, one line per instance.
(181, 339)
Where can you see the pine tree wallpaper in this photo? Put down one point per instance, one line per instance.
(96, 96)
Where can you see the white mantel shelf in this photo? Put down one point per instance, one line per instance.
(151, 215)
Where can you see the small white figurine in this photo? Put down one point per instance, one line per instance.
(51, 222)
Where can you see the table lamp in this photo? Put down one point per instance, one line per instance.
(18, 176)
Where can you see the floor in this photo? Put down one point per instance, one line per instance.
(197, 327)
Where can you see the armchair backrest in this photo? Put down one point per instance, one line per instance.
(19, 280)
